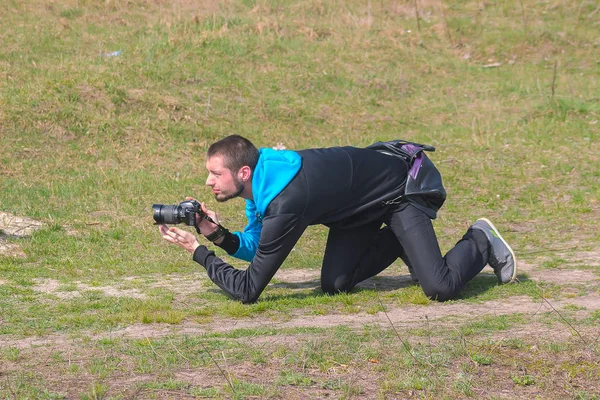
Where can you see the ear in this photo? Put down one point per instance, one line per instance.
(245, 173)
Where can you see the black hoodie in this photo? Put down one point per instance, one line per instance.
(339, 186)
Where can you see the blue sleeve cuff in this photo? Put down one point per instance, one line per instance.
(247, 248)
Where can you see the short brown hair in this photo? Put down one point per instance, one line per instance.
(237, 151)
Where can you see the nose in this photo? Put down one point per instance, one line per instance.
(209, 181)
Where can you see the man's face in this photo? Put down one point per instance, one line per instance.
(224, 184)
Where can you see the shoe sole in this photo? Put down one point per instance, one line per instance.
(513, 278)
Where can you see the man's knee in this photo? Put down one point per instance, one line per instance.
(438, 292)
(338, 285)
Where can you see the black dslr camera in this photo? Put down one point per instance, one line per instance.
(175, 214)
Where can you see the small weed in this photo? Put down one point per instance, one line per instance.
(288, 377)
(258, 356)
(243, 389)
(463, 385)
(58, 357)
(583, 395)
(350, 390)
(332, 384)
(574, 307)
(96, 392)
(554, 263)
(27, 386)
(67, 287)
(71, 13)
(280, 351)
(557, 347)
(415, 380)
(11, 353)
(514, 343)
(411, 295)
(144, 366)
(523, 380)
(482, 359)
(489, 323)
(166, 385)
(205, 392)
(103, 367)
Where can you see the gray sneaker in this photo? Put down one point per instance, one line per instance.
(502, 258)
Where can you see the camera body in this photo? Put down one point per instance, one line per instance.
(175, 214)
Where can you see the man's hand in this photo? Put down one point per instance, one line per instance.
(205, 226)
(184, 239)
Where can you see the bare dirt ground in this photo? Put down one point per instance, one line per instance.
(53, 287)
(17, 227)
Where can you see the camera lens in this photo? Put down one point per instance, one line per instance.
(167, 214)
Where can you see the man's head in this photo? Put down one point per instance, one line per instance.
(230, 163)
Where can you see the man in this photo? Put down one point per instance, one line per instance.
(354, 192)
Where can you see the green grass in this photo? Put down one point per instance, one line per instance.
(508, 96)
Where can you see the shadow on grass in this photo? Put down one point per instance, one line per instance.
(313, 294)
(379, 283)
(310, 284)
(386, 283)
(482, 283)
(524, 277)
(382, 283)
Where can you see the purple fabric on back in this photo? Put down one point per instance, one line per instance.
(414, 170)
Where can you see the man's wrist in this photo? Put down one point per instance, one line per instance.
(220, 240)
(200, 255)
(195, 246)
(229, 242)
(217, 235)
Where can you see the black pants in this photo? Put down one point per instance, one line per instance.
(353, 255)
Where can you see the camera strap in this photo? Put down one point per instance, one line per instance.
(219, 232)
(209, 219)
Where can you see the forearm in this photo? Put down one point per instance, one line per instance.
(242, 245)
(247, 285)
(238, 284)
(228, 242)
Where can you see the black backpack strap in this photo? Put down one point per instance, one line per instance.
(406, 150)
